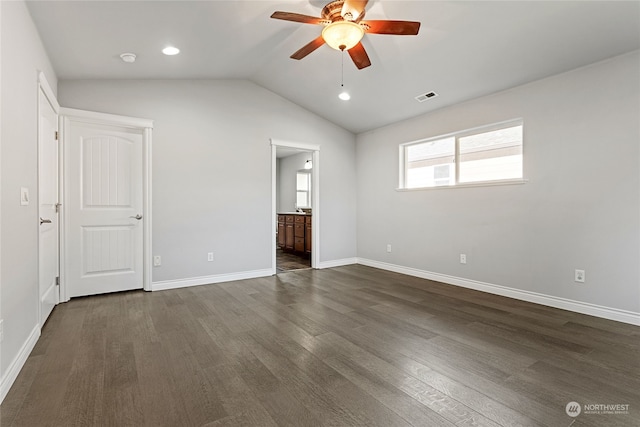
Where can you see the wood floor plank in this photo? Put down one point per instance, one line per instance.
(410, 409)
(151, 359)
(238, 399)
(349, 404)
(359, 363)
(300, 320)
(45, 396)
(316, 399)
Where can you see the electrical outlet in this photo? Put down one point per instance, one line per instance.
(388, 248)
(157, 261)
(210, 256)
(463, 259)
(1, 330)
(579, 276)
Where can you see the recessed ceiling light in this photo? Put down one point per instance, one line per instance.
(344, 96)
(170, 50)
(128, 57)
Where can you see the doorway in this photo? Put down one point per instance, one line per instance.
(107, 221)
(295, 206)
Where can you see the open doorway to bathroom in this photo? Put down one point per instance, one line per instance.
(294, 208)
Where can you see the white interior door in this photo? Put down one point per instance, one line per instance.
(48, 247)
(104, 190)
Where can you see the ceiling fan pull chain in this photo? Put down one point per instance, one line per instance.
(342, 69)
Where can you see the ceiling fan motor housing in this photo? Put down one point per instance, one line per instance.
(333, 12)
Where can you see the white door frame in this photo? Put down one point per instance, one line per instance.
(68, 115)
(315, 198)
(45, 88)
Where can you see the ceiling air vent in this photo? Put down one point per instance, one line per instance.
(422, 98)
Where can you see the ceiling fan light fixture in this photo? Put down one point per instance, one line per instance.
(342, 35)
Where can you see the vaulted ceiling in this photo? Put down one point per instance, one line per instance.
(464, 49)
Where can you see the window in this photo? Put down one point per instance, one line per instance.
(488, 154)
(303, 189)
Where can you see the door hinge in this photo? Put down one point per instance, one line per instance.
(58, 281)
(56, 135)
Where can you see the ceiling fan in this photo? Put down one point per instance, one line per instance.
(344, 29)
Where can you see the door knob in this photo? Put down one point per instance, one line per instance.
(138, 217)
(44, 221)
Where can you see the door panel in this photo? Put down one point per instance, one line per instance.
(105, 190)
(108, 249)
(48, 247)
(106, 172)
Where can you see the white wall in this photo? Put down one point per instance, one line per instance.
(22, 56)
(579, 210)
(286, 192)
(212, 169)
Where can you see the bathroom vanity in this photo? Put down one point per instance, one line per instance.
(294, 232)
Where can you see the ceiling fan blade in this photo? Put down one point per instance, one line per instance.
(308, 48)
(402, 28)
(296, 17)
(359, 56)
(353, 7)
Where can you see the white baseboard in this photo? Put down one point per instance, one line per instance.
(337, 263)
(548, 300)
(164, 285)
(14, 369)
(207, 280)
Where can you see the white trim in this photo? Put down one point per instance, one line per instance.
(315, 194)
(208, 280)
(469, 131)
(105, 119)
(519, 294)
(21, 358)
(62, 214)
(315, 209)
(497, 182)
(48, 92)
(338, 262)
(147, 191)
(297, 145)
(274, 205)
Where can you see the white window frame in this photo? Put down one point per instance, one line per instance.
(307, 192)
(402, 157)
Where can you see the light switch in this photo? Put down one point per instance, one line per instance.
(24, 196)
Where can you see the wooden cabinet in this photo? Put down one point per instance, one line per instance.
(298, 233)
(281, 231)
(288, 232)
(307, 235)
(294, 233)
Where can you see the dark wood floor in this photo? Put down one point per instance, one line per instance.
(348, 346)
(287, 261)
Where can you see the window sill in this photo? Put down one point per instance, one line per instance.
(469, 185)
